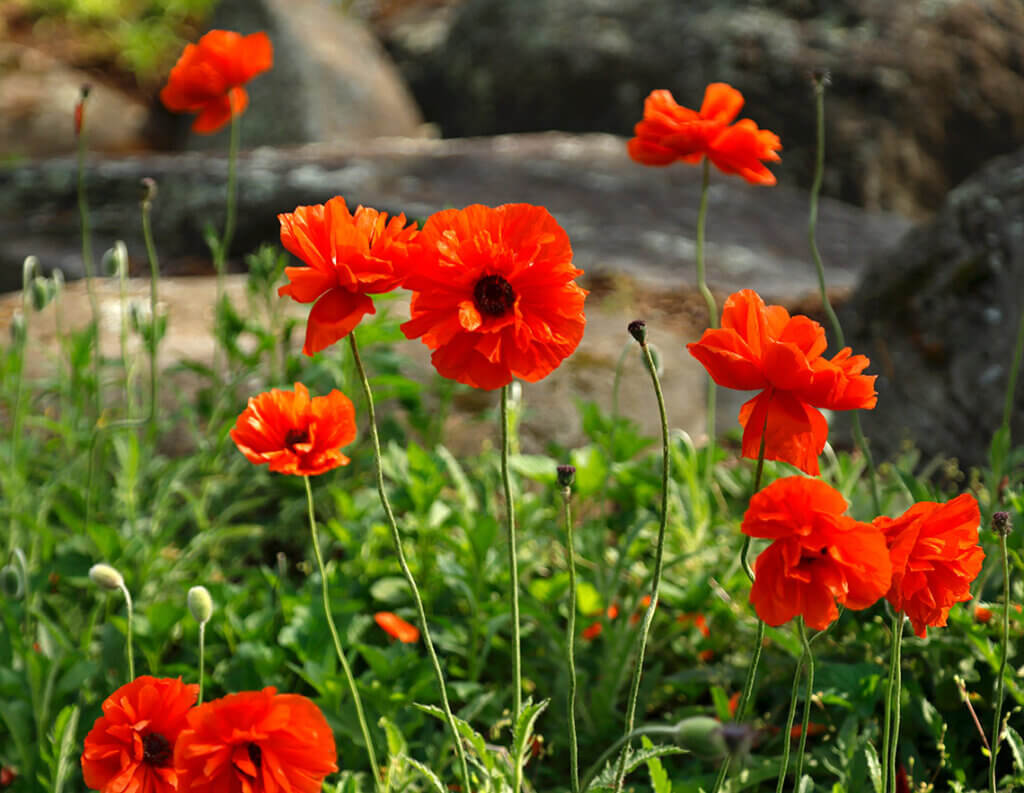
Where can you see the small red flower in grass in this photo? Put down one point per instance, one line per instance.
(397, 628)
(669, 132)
(295, 434)
(256, 742)
(209, 75)
(935, 557)
(350, 256)
(130, 748)
(762, 347)
(494, 295)
(819, 556)
(7, 776)
(982, 615)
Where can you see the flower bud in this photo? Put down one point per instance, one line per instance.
(18, 329)
(200, 604)
(40, 292)
(1001, 524)
(148, 190)
(701, 735)
(105, 576)
(638, 330)
(566, 475)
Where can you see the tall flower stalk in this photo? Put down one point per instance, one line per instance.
(709, 300)
(638, 330)
(821, 80)
(87, 258)
(1002, 527)
(566, 474)
(396, 539)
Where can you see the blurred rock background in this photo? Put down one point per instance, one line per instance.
(924, 95)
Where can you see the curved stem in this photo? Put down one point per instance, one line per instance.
(997, 727)
(513, 565)
(202, 660)
(130, 651)
(370, 752)
(570, 641)
(808, 694)
(787, 734)
(658, 564)
(396, 539)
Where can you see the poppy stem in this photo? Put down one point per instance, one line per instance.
(787, 734)
(87, 260)
(709, 299)
(812, 238)
(370, 752)
(396, 539)
(570, 639)
(997, 727)
(130, 612)
(755, 657)
(513, 566)
(887, 727)
(808, 694)
(202, 660)
(658, 562)
(897, 690)
(154, 325)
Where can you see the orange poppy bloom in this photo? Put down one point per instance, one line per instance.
(131, 746)
(819, 557)
(397, 628)
(669, 132)
(349, 257)
(295, 434)
(592, 631)
(208, 77)
(255, 742)
(982, 615)
(762, 348)
(935, 557)
(493, 294)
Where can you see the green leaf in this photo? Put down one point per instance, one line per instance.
(1016, 747)
(606, 779)
(435, 783)
(659, 777)
(390, 589)
(874, 767)
(66, 727)
(523, 731)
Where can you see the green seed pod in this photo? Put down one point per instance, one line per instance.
(701, 735)
(105, 576)
(200, 604)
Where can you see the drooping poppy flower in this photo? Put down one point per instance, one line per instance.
(935, 557)
(209, 75)
(819, 557)
(494, 295)
(295, 434)
(397, 628)
(131, 746)
(350, 256)
(763, 348)
(255, 742)
(669, 132)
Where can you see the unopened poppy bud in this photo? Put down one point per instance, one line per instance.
(638, 330)
(1001, 524)
(200, 604)
(821, 77)
(41, 293)
(702, 735)
(103, 575)
(566, 475)
(17, 329)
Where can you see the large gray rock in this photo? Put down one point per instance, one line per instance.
(923, 92)
(331, 78)
(622, 219)
(938, 316)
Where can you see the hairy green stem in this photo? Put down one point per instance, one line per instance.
(396, 539)
(570, 640)
(89, 264)
(658, 564)
(154, 336)
(370, 752)
(808, 694)
(787, 733)
(131, 615)
(709, 300)
(897, 687)
(890, 684)
(202, 660)
(997, 727)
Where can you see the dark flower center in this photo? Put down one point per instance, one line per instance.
(493, 295)
(295, 436)
(255, 754)
(156, 750)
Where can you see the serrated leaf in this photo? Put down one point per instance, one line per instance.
(396, 741)
(659, 777)
(432, 778)
(475, 739)
(874, 767)
(1016, 747)
(523, 730)
(606, 779)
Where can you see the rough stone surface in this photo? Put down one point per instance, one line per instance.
(38, 95)
(331, 79)
(923, 92)
(623, 219)
(938, 315)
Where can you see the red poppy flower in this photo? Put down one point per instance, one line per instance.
(982, 615)
(592, 631)
(349, 257)
(130, 748)
(935, 557)
(762, 347)
(493, 294)
(208, 77)
(397, 628)
(256, 742)
(819, 556)
(295, 434)
(669, 132)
